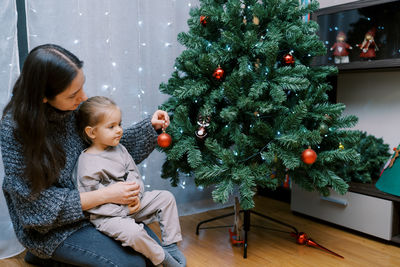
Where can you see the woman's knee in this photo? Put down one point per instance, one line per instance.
(89, 247)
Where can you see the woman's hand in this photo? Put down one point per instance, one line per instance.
(122, 192)
(134, 206)
(160, 120)
(118, 193)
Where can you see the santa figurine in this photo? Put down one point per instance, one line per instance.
(341, 49)
(368, 46)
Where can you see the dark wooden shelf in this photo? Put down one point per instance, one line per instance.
(371, 190)
(396, 239)
(375, 65)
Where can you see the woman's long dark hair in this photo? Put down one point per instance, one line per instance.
(48, 70)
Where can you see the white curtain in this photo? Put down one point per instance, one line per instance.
(129, 47)
(9, 70)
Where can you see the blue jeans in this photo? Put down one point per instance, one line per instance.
(89, 247)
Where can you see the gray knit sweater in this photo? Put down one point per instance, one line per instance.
(44, 222)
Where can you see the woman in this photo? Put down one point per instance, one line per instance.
(40, 145)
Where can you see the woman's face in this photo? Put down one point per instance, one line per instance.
(72, 96)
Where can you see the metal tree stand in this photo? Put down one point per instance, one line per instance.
(246, 224)
(301, 238)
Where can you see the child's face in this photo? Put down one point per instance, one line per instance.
(109, 131)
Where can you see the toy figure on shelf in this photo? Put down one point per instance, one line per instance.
(340, 49)
(368, 46)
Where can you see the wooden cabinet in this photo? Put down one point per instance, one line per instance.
(364, 208)
(359, 211)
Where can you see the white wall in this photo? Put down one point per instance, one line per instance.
(328, 3)
(374, 97)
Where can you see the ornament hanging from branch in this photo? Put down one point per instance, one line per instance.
(323, 128)
(164, 140)
(219, 73)
(341, 147)
(256, 20)
(203, 20)
(327, 118)
(286, 182)
(288, 59)
(273, 173)
(203, 123)
(257, 64)
(308, 156)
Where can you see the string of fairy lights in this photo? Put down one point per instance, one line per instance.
(9, 67)
(105, 80)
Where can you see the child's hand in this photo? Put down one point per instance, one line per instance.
(134, 206)
(160, 120)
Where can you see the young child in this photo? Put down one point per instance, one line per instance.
(106, 162)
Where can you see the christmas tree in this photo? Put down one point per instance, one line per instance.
(248, 107)
(374, 153)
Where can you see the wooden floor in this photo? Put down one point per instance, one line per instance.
(212, 248)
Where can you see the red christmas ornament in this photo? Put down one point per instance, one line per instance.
(218, 73)
(286, 183)
(203, 20)
(308, 156)
(302, 239)
(327, 117)
(164, 140)
(288, 59)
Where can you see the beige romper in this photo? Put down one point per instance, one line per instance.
(115, 164)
